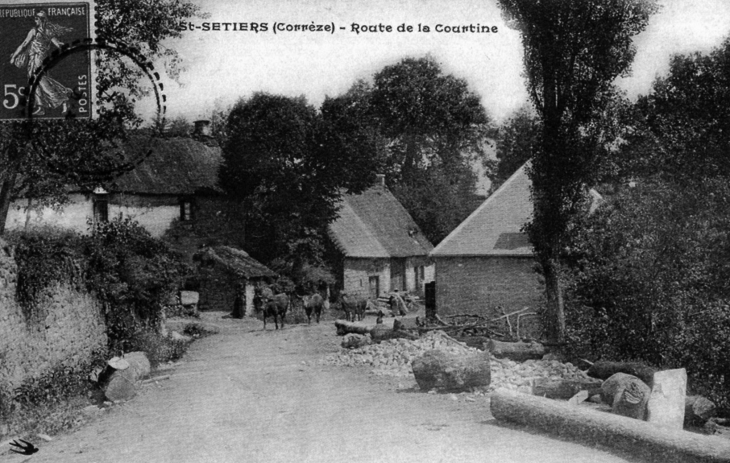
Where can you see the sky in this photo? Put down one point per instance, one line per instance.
(223, 66)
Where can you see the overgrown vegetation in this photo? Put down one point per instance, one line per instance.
(650, 282)
(45, 256)
(48, 403)
(129, 271)
(159, 349)
(133, 274)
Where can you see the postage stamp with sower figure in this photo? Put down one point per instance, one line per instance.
(30, 33)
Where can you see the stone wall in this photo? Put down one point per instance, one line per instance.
(217, 288)
(65, 329)
(416, 285)
(357, 273)
(481, 284)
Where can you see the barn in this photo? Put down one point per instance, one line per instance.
(378, 246)
(487, 261)
(224, 272)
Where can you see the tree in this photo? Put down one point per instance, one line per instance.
(649, 274)
(439, 198)
(425, 129)
(40, 160)
(426, 116)
(683, 122)
(573, 51)
(284, 166)
(516, 139)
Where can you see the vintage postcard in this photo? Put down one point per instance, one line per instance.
(334, 165)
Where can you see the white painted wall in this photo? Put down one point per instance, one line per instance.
(155, 220)
(74, 216)
(78, 214)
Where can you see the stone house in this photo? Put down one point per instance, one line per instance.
(223, 272)
(487, 261)
(378, 246)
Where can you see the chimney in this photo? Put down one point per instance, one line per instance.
(202, 129)
(380, 180)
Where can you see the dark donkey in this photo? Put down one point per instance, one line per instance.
(276, 307)
(313, 303)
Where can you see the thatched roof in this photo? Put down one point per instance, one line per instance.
(234, 260)
(175, 166)
(374, 224)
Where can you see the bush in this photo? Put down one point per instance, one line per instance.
(45, 256)
(133, 274)
(649, 282)
(48, 403)
(196, 330)
(159, 349)
(129, 271)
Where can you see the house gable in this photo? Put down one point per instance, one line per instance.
(495, 227)
(374, 224)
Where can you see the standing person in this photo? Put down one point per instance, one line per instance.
(397, 305)
(36, 47)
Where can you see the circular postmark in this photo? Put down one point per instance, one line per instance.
(102, 141)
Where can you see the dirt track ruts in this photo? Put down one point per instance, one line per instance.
(248, 395)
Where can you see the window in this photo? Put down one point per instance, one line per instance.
(186, 209)
(101, 208)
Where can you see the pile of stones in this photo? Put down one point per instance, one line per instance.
(394, 357)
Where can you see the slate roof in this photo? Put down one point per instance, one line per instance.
(374, 224)
(494, 228)
(175, 166)
(235, 260)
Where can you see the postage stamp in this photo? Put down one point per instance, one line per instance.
(30, 33)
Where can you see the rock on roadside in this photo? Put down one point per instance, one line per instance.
(627, 395)
(122, 384)
(438, 370)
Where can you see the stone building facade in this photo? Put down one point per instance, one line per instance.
(378, 246)
(226, 272)
(486, 265)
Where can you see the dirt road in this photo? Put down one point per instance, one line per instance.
(246, 395)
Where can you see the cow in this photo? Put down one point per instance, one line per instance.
(353, 306)
(313, 303)
(276, 307)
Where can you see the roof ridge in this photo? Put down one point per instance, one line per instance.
(373, 234)
(522, 170)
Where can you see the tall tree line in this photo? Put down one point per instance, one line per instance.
(288, 164)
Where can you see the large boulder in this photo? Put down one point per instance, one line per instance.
(697, 410)
(627, 395)
(667, 400)
(122, 384)
(439, 370)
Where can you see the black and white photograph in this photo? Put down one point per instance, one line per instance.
(365, 231)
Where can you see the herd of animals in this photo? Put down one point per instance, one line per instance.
(276, 305)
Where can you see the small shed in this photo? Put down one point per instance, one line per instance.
(224, 272)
